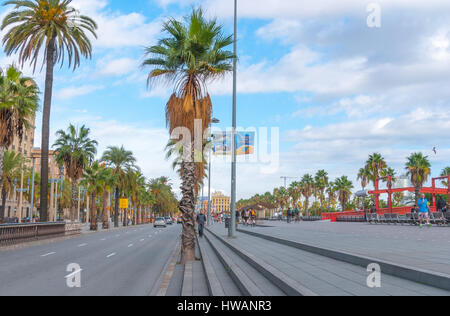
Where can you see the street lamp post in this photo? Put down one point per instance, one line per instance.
(213, 121)
(232, 226)
(60, 195)
(21, 190)
(32, 190)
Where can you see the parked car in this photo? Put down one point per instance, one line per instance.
(160, 222)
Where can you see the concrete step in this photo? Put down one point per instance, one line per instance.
(218, 279)
(283, 281)
(249, 280)
(396, 271)
(326, 276)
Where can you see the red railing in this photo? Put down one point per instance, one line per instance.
(396, 210)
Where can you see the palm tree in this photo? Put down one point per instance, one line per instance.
(374, 166)
(321, 182)
(94, 180)
(12, 167)
(363, 176)
(419, 169)
(18, 104)
(307, 183)
(445, 172)
(331, 192)
(59, 31)
(295, 192)
(75, 150)
(119, 160)
(343, 187)
(192, 55)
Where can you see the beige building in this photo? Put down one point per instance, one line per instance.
(221, 203)
(16, 204)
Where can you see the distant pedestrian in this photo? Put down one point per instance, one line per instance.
(201, 220)
(424, 212)
(440, 204)
(289, 215)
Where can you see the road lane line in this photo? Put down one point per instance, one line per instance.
(73, 274)
(142, 240)
(111, 255)
(82, 245)
(130, 245)
(48, 254)
(103, 239)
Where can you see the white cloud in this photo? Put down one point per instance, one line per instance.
(71, 92)
(118, 67)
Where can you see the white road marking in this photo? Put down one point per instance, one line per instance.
(142, 240)
(130, 245)
(103, 239)
(48, 254)
(73, 274)
(82, 245)
(111, 255)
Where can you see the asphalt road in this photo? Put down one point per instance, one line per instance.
(125, 262)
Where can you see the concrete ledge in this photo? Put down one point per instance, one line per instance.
(280, 279)
(188, 286)
(214, 287)
(243, 282)
(434, 279)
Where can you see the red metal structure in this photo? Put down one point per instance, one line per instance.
(390, 191)
(433, 191)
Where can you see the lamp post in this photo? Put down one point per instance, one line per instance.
(21, 190)
(232, 226)
(60, 195)
(32, 190)
(213, 121)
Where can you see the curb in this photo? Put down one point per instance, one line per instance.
(434, 279)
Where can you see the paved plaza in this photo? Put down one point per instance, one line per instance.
(426, 248)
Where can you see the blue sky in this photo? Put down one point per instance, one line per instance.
(337, 89)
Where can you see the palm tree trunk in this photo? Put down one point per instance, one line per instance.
(2, 154)
(417, 194)
(187, 207)
(105, 224)
(116, 209)
(307, 206)
(73, 206)
(46, 129)
(3, 210)
(94, 213)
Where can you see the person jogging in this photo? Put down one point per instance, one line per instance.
(424, 212)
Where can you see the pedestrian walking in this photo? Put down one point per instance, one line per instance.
(424, 212)
(201, 220)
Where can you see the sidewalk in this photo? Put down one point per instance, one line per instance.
(321, 275)
(427, 248)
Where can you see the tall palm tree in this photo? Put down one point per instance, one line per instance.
(18, 105)
(307, 183)
(119, 160)
(94, 180)
(12, 167)
(295, 192)
(192, 55)
(331, 192)
(343, 187)
(419, 169)
(363, 176)
(321, 182)
(57, 30)
(76, 151)
(374, 165)
(445, 172)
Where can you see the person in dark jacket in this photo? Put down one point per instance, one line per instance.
(440, 204)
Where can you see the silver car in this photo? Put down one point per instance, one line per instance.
(160, 222)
